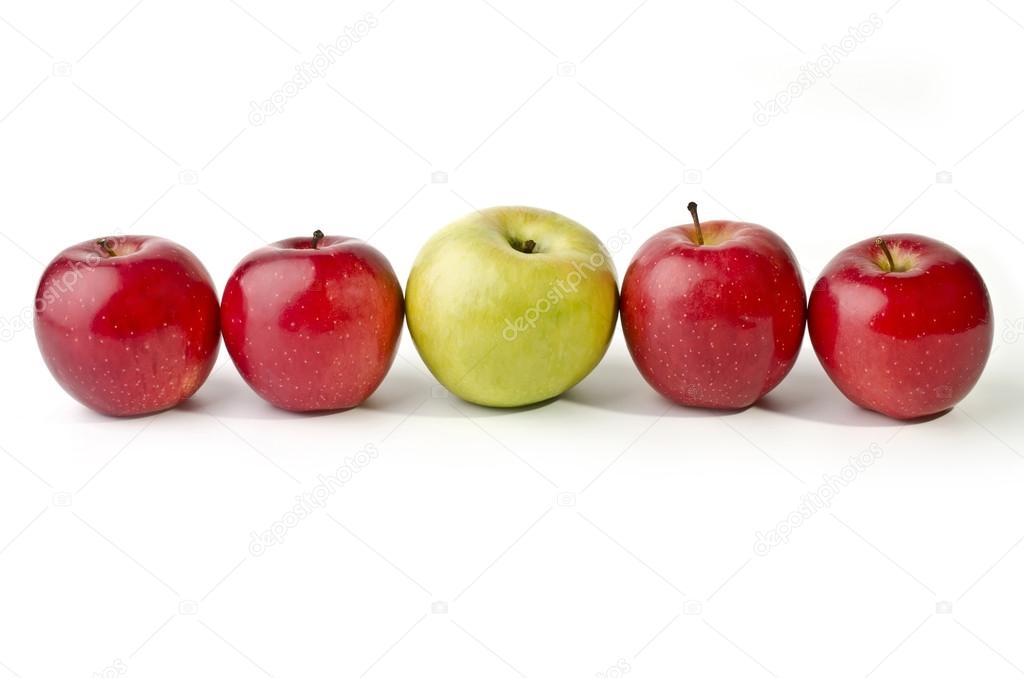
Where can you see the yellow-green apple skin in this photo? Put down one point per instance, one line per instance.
(502, 326)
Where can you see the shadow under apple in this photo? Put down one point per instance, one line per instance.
(226, 395)
(807, 393)
(615, 385)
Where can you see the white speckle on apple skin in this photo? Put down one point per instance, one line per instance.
(130, 336)
(716, 325)
(907, 344)
(313, 331)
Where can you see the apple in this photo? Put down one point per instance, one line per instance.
(510, 306)
(313, 323)
(902, 325)
(713, 313)
(128, 325)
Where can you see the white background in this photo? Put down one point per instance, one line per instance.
(126, 543)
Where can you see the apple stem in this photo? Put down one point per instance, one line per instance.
(528, 246)
(696, 222)
(104, 244)
(887, 253)
(318, 235)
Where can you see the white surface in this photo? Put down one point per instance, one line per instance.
(148, 570)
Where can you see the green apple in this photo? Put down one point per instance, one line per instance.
(510, 306)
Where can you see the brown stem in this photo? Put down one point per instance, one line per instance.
(886, 252)
(526, 247)
(318, 235)
(696, 222)
(105, 245)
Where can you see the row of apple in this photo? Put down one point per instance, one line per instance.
(511, 306)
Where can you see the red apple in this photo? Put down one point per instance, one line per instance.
(127, 325)
(313, 323)
(902, 326)
(713, 313)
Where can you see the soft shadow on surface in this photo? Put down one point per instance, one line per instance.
(220, 388)
(615, 385)
(226, 395)
(411, 388)
(807, 393)
(401, 391)
(406, 390)
(996, 394)
(210, 396)
(83, 414)
(442, 404)
(463, 408)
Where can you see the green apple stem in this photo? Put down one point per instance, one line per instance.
(887, 253)
(528, 246)
(696, 222)
(105, 245)
(318, 235)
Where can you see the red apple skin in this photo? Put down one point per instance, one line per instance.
(129, 334)
(907, 344)
(313, 329)
(716, 325)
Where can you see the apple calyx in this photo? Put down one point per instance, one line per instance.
(104, 244)
(318, 235)
(696, 222)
